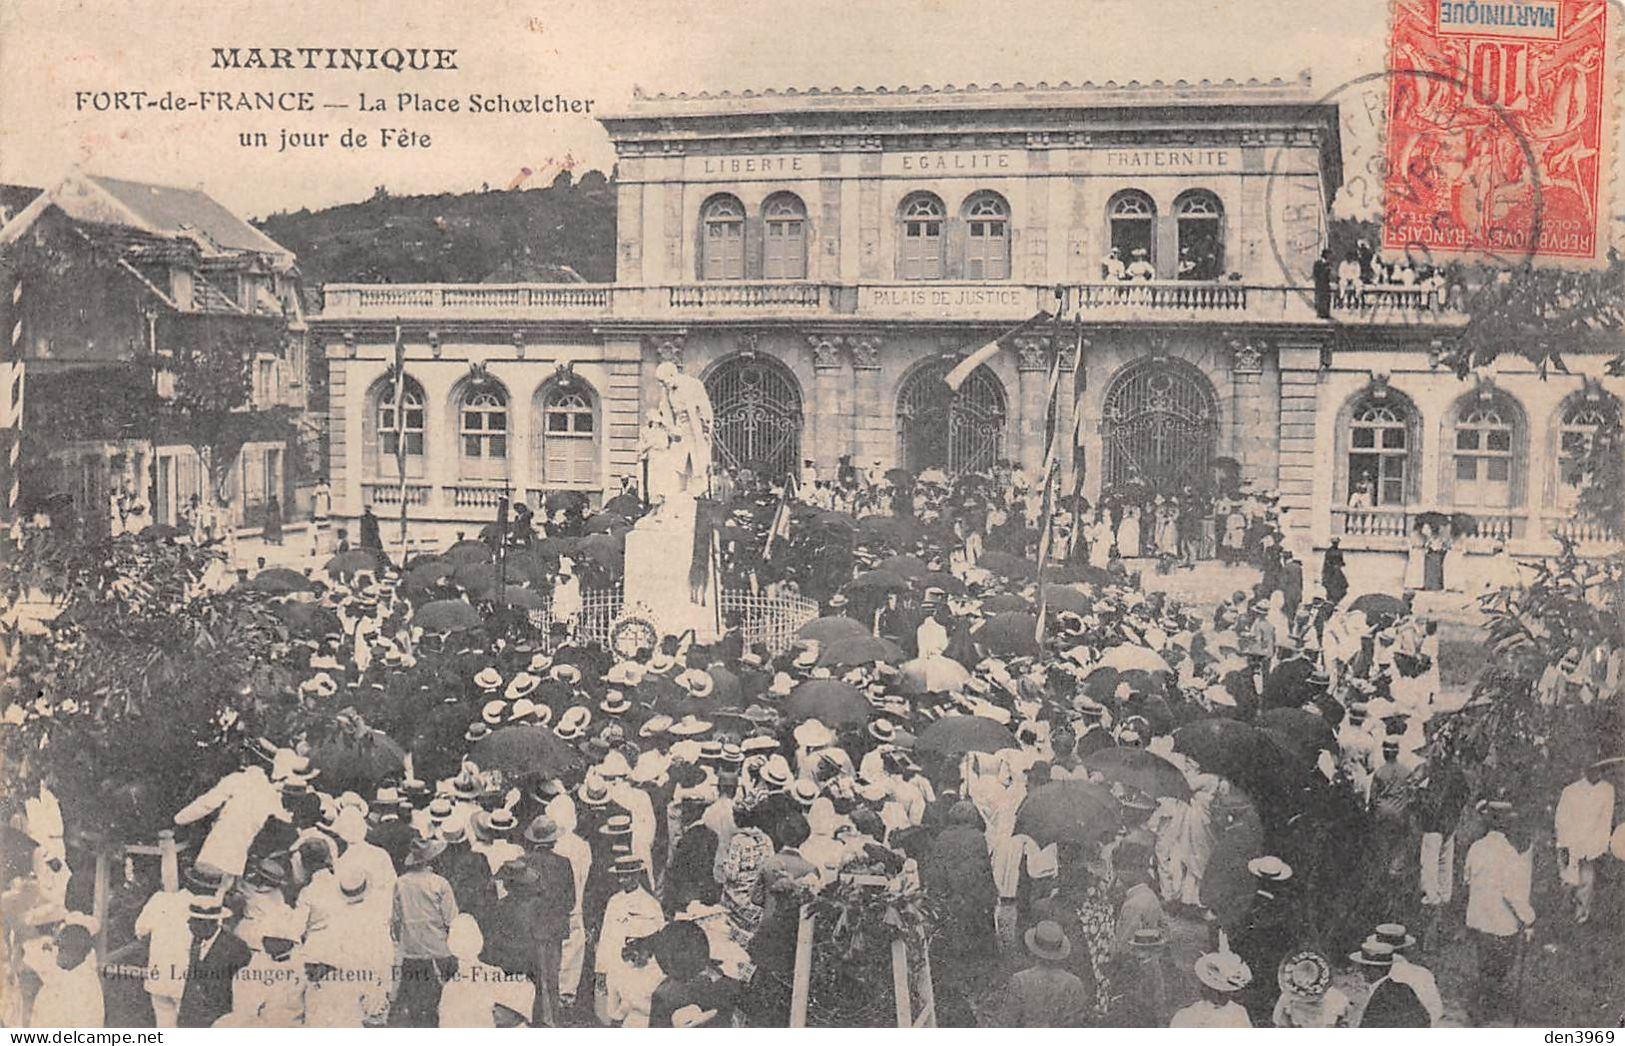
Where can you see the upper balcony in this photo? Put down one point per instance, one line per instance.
(1172, 301)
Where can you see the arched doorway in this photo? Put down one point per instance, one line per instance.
(1160, 426)
(939, 428)
(757, 405)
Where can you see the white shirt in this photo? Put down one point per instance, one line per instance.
(1497, 878)
(70, 998)
(1203, 1014)
(627, 915)
(245, 801)
(163, 922)
(1420, 980)
(1585, 819)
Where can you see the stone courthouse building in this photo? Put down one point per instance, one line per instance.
(820, 259)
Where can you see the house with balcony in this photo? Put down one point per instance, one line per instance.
(105, 278)
(822, 258)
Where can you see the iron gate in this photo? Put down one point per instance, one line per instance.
(757, 406)
(1160, 426)
(958, 431)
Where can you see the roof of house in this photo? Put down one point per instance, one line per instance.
(193, 213)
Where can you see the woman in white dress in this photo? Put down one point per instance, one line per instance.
(1416, 558)
(1128, 532)
(1100, 541)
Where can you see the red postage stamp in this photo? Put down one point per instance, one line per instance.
(1501, 130)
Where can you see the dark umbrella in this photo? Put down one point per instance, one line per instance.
(1430, 519)
(829, 701)
(1308, 732)
(604, 523)
(1068, 811)
(727, 690)
(346, 563)
(1260, 763)
(607, 549)
(1373, 603)
(525, 750)
(476, 578)
(877, 581)
(468, 552)
(564, 499)
(278, 581)
(1008, 635)
(357, 759)
(827, 630)
(447, 615)
(1074, 573)
(1006, 603)
(953, 736)
(859, 650)
(307, 619)
(1140, 769)
(899, 477)
(937, 579)
(516, 596)
(904, 566)
(160, 531)
(1060, 598)
(894, 530)
(625, 505)
(529, 565)
(427, 573)
(1007, 565)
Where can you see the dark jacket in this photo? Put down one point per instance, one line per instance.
(207, 996)
(1394, 1005)
(555, 893)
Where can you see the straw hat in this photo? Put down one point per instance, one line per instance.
(1048, 941)
(1223, 972)
(1306, 974)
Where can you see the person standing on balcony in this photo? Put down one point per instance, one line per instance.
(1140, 268)
(1348, 279)
(1323, 284)
(1111, 266)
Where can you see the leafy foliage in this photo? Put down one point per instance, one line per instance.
(851, 983)
(493, 236)
(129, 704)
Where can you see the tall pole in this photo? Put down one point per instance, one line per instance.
(400, 429)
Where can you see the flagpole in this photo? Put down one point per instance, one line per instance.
(1051, 470)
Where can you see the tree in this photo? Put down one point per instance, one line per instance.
(147, 678)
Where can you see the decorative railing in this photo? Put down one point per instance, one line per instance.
(1371, 522)
(746, 295)
(769, 620)
(1584, 531)
(1173, 294)
(472, 495)
(390, 493)
(1498, 526)
(1377, 298)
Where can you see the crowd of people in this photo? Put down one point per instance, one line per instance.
(1105, 807)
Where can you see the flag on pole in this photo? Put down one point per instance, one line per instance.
(781, 517)
(967, 366)
(400, 429)
(1058, 456)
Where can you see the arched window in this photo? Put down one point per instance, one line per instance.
(987, 240)
(921, 220)
(784, 254)
(1380, 446)
(565, 423)
(1201, 235)
(483, 426)
(1133, 220)
(1579, 419)
(722, 250)
(939, 427)
(1487, 452)
(390, 429)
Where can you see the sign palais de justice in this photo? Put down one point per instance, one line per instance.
(820, 259)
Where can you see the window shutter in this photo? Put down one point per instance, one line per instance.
(585, 458)
(557, 461)
(369, 437)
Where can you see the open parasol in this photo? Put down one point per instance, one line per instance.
(1374, 603)
(516, 596)
(1007, 603)
(1140, 769)
(829, 701)
(953, 736)
(356, 759)
(827, 630)
(904, 566)
(1007, 565)
(447, 615)
(279, 581)
(307, 619)
(526, 749)
(1129, 657)
(1063, 597)
(1008, 635)
(932, 675)
(1308, 732)
(1068, 811)
(468, 551)
(877, 582)
(354, 561)
(858, 650)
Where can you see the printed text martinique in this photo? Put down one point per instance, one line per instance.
(393, 59)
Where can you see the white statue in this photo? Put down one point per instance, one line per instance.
(676, 443)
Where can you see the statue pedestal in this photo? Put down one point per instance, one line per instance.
(658, 554)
